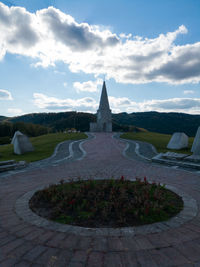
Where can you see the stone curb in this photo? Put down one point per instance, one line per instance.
(188, 213)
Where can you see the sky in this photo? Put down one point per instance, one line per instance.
(55, 54)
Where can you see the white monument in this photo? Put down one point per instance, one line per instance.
(178, 141)
(15, 135)
(196, 144)
(21, 143)
(104, 116)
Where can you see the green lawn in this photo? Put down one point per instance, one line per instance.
(44, 146)
(158, 140)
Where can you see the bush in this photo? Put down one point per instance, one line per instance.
(5, 140)
(107, 203)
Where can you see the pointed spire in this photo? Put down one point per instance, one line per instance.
(104, 104)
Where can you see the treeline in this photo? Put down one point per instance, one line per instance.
(166, 123)
(7, 129)
(66, 120)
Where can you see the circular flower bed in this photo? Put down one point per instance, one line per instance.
(106, 203)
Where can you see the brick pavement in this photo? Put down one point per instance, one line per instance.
(23, 244)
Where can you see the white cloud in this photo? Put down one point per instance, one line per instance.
(187, 92)
(118, 104)
(65, 84)
(185, 105)
(14, 111)
(89, 86)
(52, 103)
(50, 35)
(5, 95)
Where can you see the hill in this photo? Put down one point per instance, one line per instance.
(2, 118)
(166, 123)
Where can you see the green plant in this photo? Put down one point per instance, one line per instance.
(108, 202)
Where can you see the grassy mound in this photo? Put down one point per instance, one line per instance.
(106, 203)
(158, 140)
(44, 146)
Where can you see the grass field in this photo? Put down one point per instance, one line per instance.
(44, 146)
(158, 140)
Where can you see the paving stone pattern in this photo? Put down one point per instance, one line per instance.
(24, 244)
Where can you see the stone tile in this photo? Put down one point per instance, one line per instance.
(115, 244)
(84, 243)
(34, 253)
(100, 244)
(6, 239)
(70, 242)
(23, 264)
(55, 240)
(48, 258)
(143, 242)
(129, 259)
(189, 250)
(160, 258)
(112, 259)
(95, 259)
(45, 237)
(174, 255)
(63, 258)
(144, 258)
(157, 241)
(21, 250)
(79, 256)
(9, 262)
(130, 244)
(33, 234)
(11, 245)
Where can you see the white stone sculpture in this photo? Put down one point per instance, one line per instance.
(21, 143)
(196, 144)
(16, 134)
(178, 141)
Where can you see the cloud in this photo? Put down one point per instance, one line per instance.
(49, 36)
(187, 92)
(52, 103)
(185, 105)
(118, 104)
(65, 84)
(89, 86)
(5, 95)
(78, 37)
(14, 111)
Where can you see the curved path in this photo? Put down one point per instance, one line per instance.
(23, 244)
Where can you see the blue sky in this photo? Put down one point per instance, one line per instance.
(54, 55)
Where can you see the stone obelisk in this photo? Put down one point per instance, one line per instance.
(104, 116)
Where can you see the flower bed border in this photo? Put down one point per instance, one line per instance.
(189, 211)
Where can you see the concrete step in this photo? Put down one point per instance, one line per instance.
(14, 166)
(7, 162)
(184, 164)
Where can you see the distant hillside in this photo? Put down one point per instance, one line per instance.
(167, 123)
(2, 118)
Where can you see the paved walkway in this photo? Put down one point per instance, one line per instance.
(23, 244)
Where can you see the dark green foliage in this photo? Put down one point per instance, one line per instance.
(166, 123)
(59, 121)
(5, 140)
(107, 203)
(7, 129)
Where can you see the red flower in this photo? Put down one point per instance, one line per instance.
(145, 179)
(72, 201)
(146, 210)
(122, 178)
